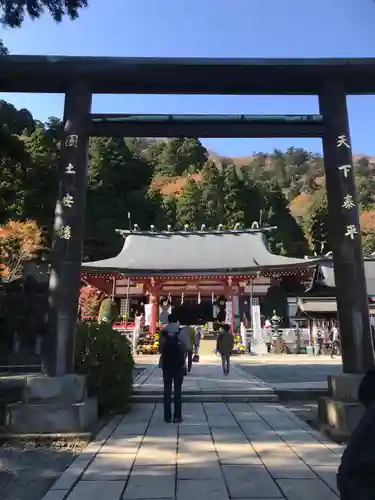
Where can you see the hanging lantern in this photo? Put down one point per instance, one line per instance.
(182, 298)
(199, 297)
(221, 304)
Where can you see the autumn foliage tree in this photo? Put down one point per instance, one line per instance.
(89, 301)
(19, 241)
(367, 220)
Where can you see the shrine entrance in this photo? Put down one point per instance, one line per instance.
(192, 312)
(79, 77)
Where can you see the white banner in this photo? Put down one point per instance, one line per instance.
(148, 313)
(229, 313)
(257, 327)
(243, 334)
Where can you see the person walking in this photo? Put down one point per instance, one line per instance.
(190, 347)
(334, 338)
(319, 341)
(198, 336)
(224, 346)
(173, 351)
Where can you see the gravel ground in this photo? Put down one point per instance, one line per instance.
(28, 469)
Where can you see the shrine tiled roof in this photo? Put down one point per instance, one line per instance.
(321, 306)
(182, 253)
(329, 277)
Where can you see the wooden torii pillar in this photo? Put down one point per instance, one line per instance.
(58, 344)
(345, 232)
(339, 411)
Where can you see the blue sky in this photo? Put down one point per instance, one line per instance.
(210, 28)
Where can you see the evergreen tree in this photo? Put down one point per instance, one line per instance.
(234, 209)
(288, 239)
(178, 156)
(189, 209)
(317, 224)
(41, 180)
(212, 184)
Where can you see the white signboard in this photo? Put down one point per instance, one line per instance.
(148, 313)
(229, 313)
(257, 327)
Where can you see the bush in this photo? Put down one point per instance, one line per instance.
(105, 356)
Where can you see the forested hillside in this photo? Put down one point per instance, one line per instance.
(175, 182)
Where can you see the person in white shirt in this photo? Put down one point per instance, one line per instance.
(334, 337)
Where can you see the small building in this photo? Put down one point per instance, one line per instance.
(202, 275)
(318, 305)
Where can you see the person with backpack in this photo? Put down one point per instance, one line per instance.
(173, 350)
(356, 473)
(224, 345)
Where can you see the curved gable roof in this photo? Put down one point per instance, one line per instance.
(189, 253)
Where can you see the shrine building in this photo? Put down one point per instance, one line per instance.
(196, 272)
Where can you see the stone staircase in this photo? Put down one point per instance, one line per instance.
(208, 397)
(206, 384)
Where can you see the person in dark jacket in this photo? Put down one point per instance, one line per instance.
(356, 473)
(224, 345)
(172, 362)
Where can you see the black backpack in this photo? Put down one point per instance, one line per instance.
(173, 353)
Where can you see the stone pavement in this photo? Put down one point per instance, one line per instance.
(221, 451)
(292, 372)
(205, 377)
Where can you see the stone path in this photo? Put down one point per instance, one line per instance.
(205, 377)
(221, 451)
(289, 369)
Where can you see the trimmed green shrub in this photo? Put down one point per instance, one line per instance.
(105, 356)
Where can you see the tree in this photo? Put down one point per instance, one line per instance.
(169, 210)
(13, 12)
(177, 156)
(365, 191)
(89, 301)
(15, 125)
(41, 176)
(279, 167)
(124, 178)
(367, 220)
(118, 184)
(289, 238)
(3, 50)
(317, 223)
(19, 241)
(212, 184)
(189, 208)
(234, 209)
